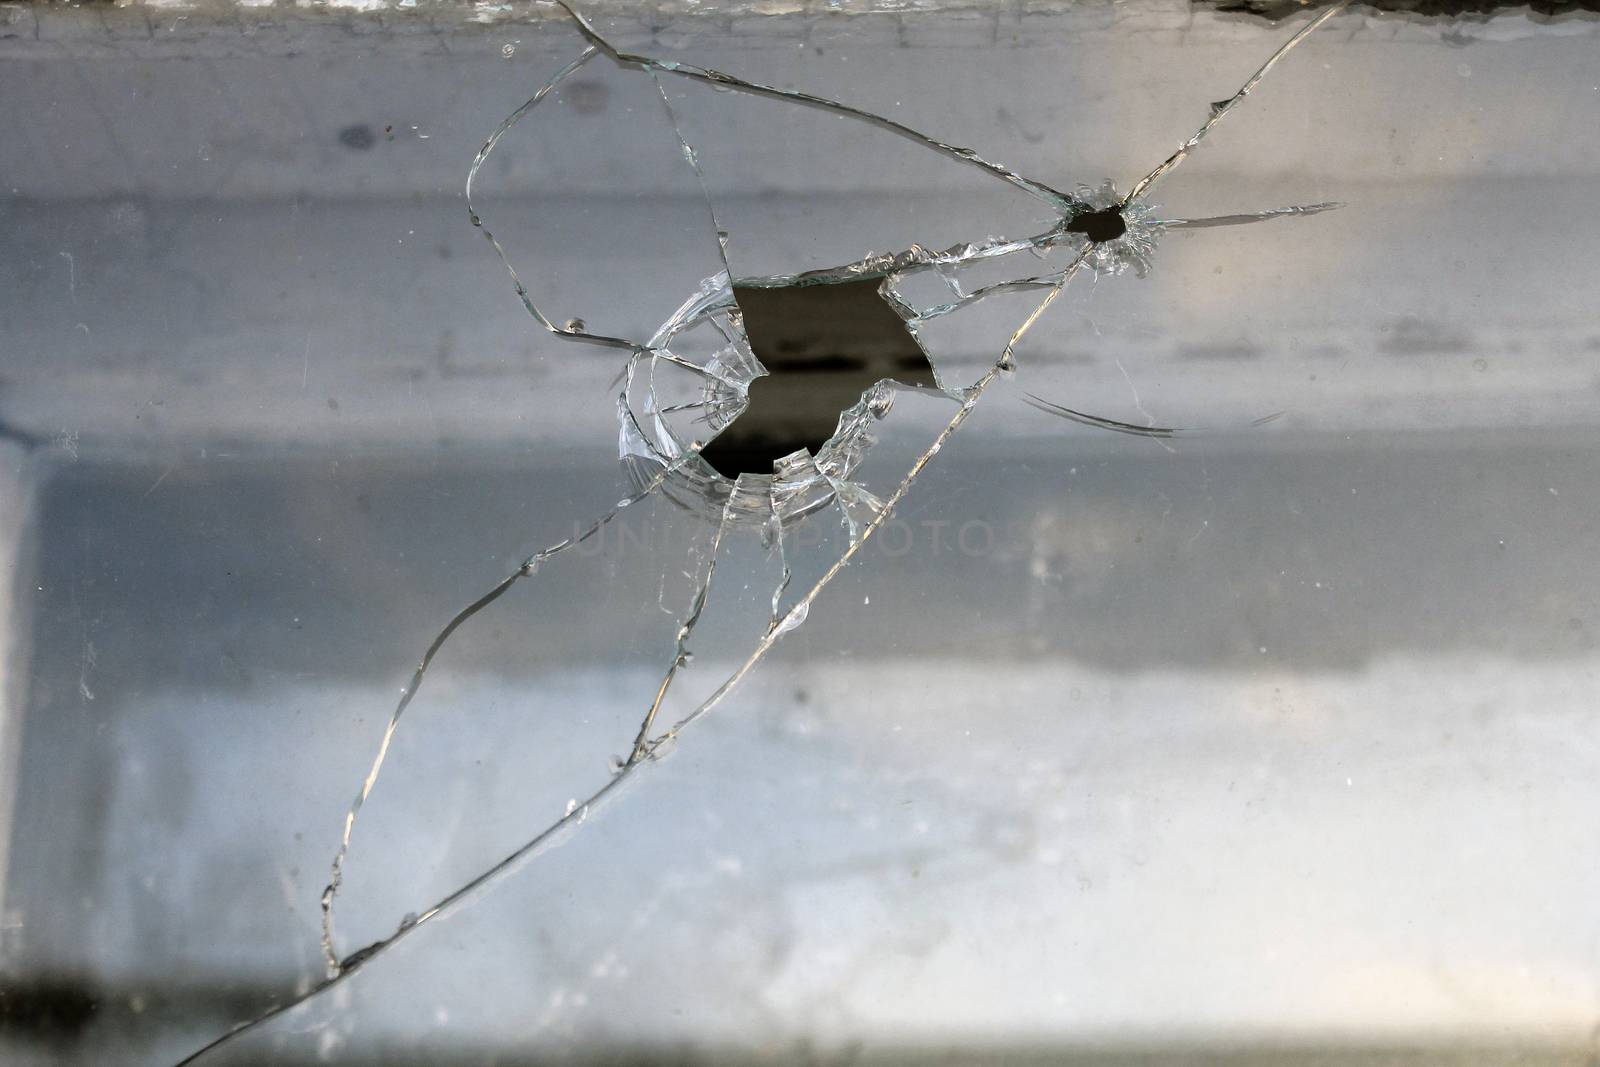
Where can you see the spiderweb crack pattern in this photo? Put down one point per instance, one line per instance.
(1098, 229)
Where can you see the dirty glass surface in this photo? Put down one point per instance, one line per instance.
(957, 534)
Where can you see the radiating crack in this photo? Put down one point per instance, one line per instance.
(660, 442)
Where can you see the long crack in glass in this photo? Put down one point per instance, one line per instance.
(691, 385)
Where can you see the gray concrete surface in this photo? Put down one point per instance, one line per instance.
(17, 522)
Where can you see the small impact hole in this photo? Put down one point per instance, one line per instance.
(1099, 226)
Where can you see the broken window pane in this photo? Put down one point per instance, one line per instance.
(1194, 664)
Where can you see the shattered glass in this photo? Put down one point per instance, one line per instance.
(776, 341)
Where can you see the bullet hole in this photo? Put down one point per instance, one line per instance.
(823, 346)
(358, 137)
(1099, 226)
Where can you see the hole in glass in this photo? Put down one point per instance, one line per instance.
(1099, 226)
(823, 345)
